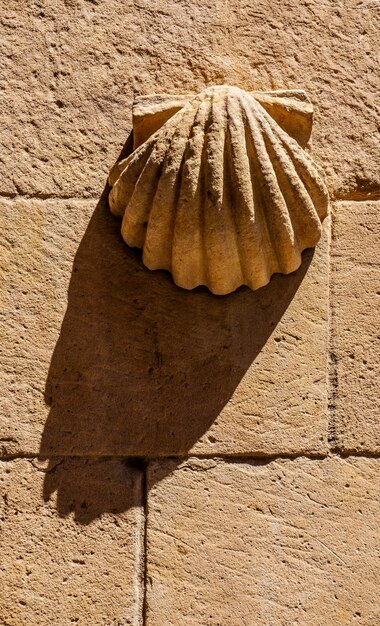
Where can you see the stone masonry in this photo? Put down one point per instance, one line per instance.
(170, 457)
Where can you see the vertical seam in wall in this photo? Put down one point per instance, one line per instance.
(140, 545)
(332, 358)
(145, 545)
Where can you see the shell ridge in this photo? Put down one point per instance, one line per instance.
(311, 176)
(187, 248)
(274, 205)
(297, 202)
(310, 173)
(259, 185)
(254, 239)
(136, 215)
(202, 192)
(118, 168)
(207, 195)
(227, 196)
(288, 186)
(219, 230)
(305, 221)
(124, 183)
(229, 199)
(258, 190)
(157, 245)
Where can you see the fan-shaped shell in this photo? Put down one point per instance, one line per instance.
(216, 191)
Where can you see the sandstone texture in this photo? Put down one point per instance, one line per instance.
(356, 326)
(70, 69)
(172, 457)
(280, 403)
(103, 356)
(77, 566)
(288, 542)
(38, 244)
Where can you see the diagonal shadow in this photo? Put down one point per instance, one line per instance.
(142, 367)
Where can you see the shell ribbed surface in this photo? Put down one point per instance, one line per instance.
(220, 195)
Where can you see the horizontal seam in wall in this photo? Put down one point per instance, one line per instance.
(229, 458)
(26, 196)
(355, 196)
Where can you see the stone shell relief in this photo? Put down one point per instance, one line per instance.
(219, 189)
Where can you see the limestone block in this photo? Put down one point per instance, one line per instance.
(279, 404)
(72, 558)
(356, 326)
(142, 367)
(269, 544)
(38, 244)
(69, 71)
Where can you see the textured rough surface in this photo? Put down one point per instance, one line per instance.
(356, 326)
(71, 558)
(103, 360)
(70, 71)
(140, 366)
(220, 194)
(38, 244)
(277, 350)
(289, 542)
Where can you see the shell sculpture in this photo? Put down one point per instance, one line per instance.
(219, 189)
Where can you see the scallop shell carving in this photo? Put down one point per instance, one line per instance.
(219, 189)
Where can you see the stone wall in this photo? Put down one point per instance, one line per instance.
(169, 457)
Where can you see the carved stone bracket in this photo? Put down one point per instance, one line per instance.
(219, 188)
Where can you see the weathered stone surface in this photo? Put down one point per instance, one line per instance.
(102, 359)
(38, 244)
(280, 403)
(70, 69)
(289, 542)
(356, 327)
(220, 194)
(140, 366)
(75, 560)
